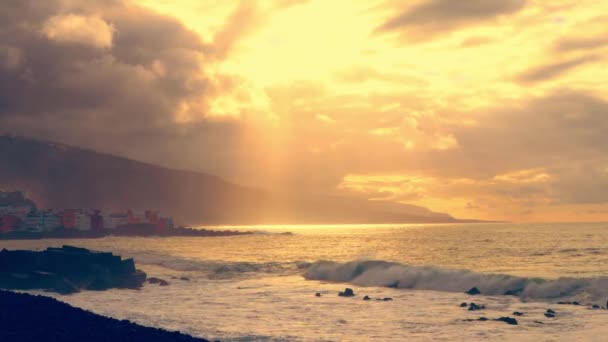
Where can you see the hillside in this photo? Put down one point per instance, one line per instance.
(60, 176)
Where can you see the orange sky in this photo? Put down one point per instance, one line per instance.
(480, 109)
(394, 92)
(394, 98)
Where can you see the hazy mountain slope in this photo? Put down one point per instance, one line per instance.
(56, 175)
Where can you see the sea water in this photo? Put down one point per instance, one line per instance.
(262, 287)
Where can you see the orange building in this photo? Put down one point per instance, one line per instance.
(9, 223)
(68, 218)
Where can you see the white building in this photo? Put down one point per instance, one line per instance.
(41, 221)
(19, 211)
(114, 220)
(82, 220)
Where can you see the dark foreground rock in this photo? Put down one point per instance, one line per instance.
(25, 318)
(67, 270)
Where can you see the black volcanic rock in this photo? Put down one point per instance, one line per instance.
(514, 292)
(508, 320)
(67, 270)
(475, 307)
(27, 318)
(160, 282)
(473, 291)
(348, 292)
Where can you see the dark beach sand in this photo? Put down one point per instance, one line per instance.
(25, 317)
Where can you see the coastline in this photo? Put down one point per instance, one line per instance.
(25, 317)
(129, 231)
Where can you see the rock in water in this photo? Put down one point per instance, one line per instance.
(67, 270)
(514, 292)
(517, 313)
(318, 294)
(508, 320)
(160, 282)
(475, 307)
(473, 291)
(463, 305)
(348, 292)
(367, 298)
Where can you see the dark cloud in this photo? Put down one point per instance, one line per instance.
(564, 134)
(549, 71)
(143, 91)
(433, 16)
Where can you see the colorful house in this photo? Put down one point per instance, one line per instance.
(9, 223)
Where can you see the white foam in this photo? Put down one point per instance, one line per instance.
(389, 274)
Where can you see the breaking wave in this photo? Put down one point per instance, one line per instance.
(390, 274)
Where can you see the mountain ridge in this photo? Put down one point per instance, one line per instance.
(56, 175)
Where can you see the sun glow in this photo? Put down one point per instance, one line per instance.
(332, 87)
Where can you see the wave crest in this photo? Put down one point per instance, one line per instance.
(391, 274)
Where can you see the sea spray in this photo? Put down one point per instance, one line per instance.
(396, 275)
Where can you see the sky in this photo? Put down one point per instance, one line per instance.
(481, 109)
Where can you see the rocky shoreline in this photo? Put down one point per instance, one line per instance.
(29, 318)
(129, 231)
(67, 270)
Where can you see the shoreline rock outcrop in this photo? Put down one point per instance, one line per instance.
(67, 270)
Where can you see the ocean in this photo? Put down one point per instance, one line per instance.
(262, 287)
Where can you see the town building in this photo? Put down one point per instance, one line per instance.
(115, 220)
(82, 220)
(68, 218)
(41, 221)
(9, 223)
(96, 221)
